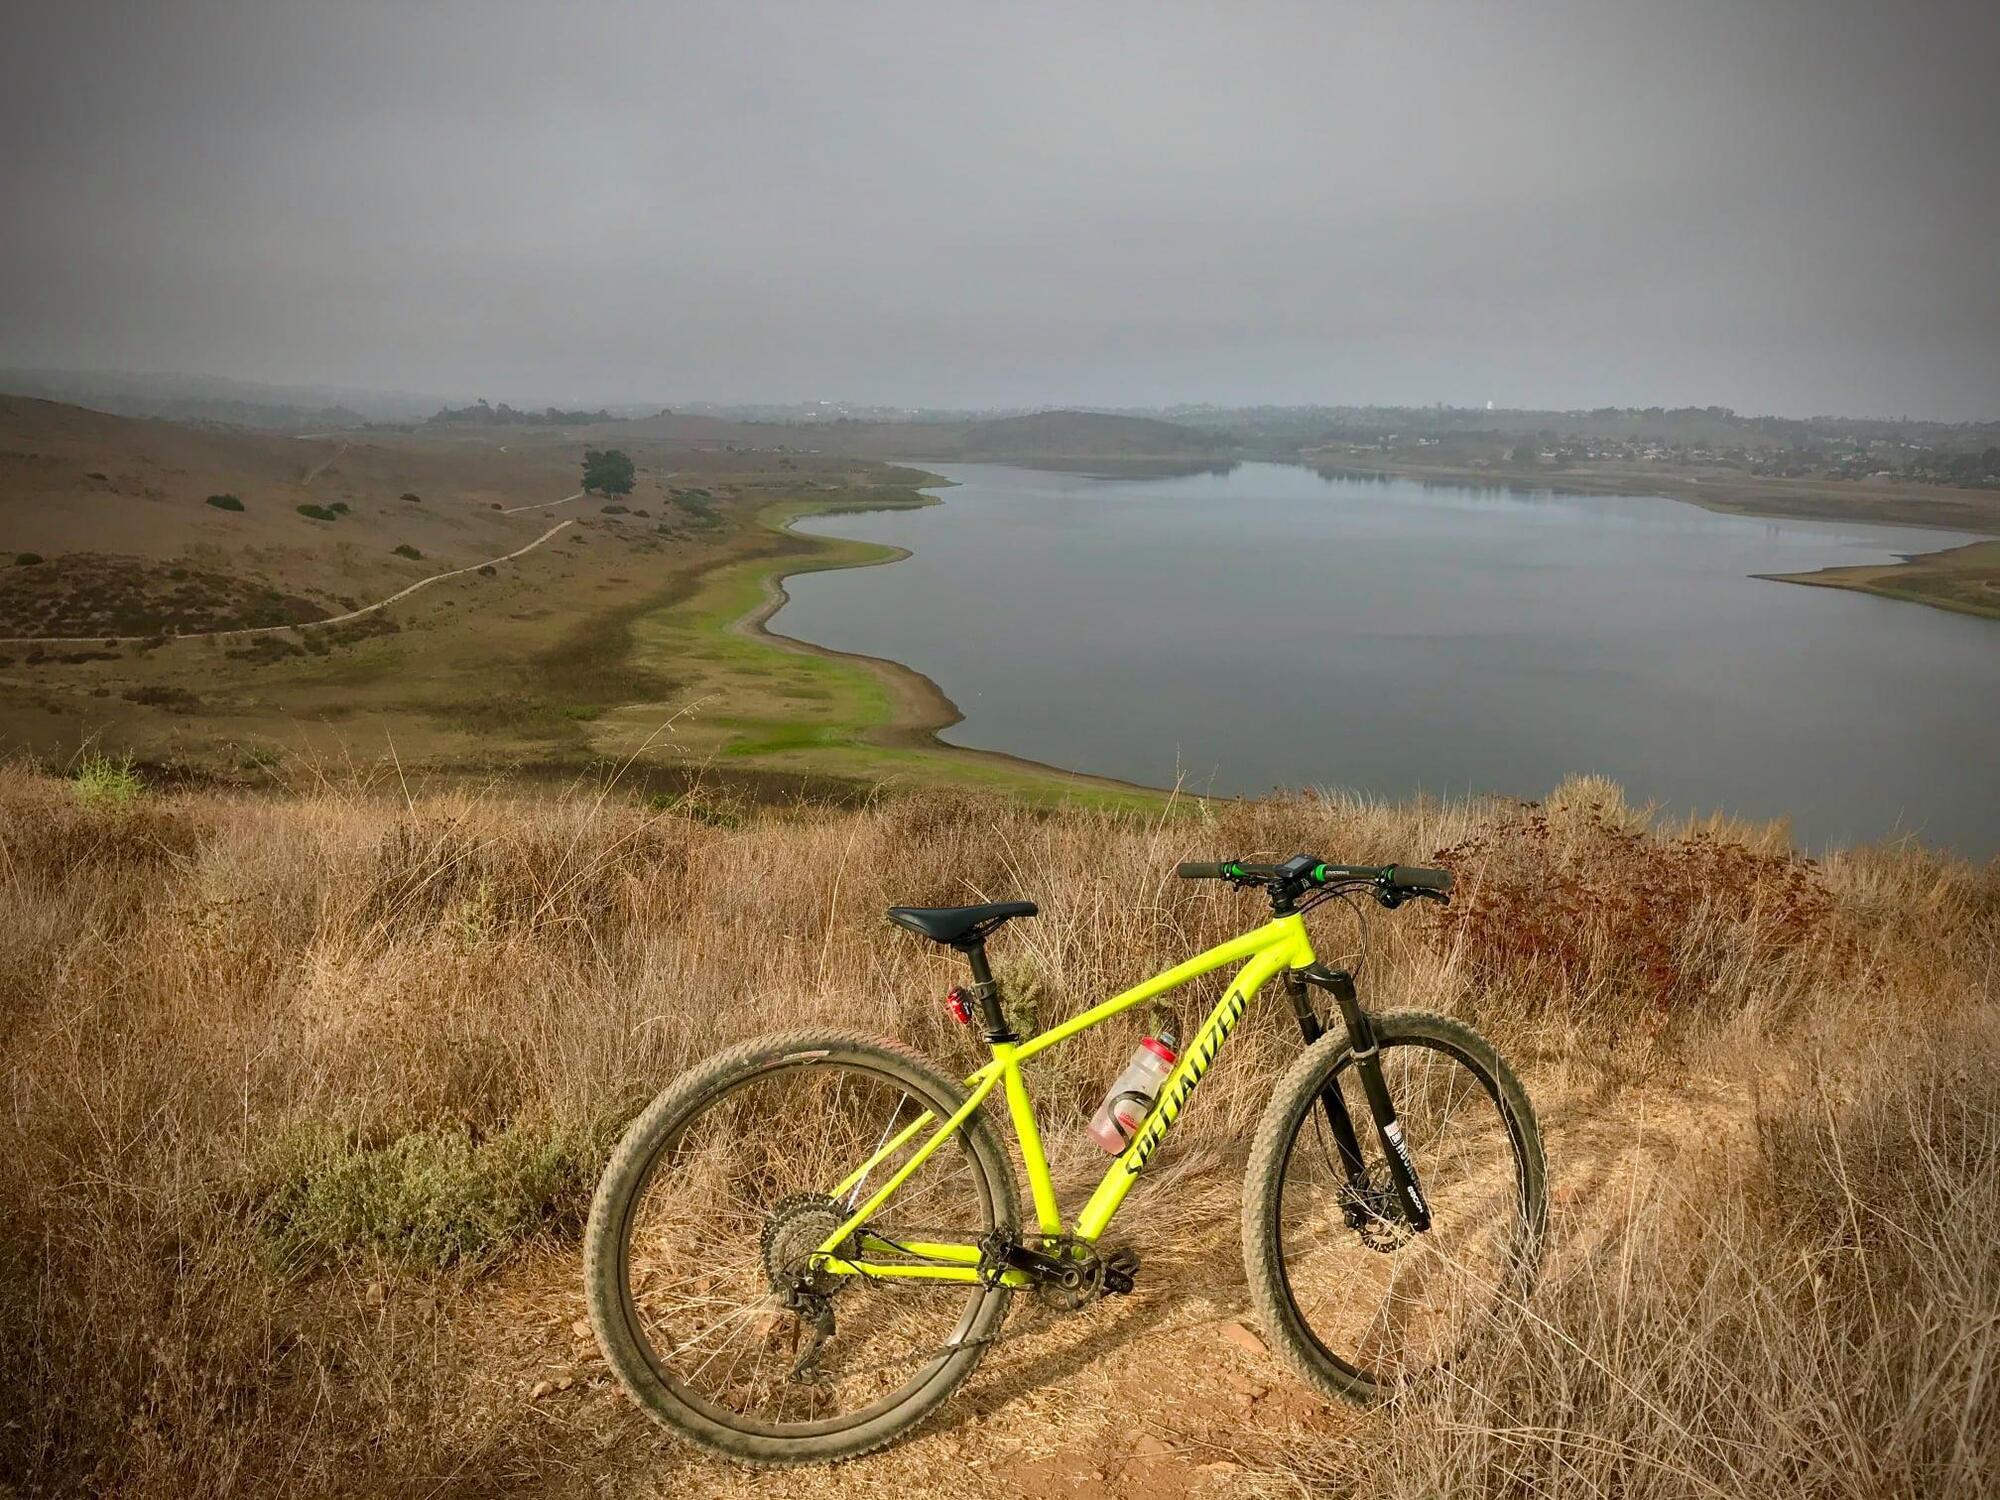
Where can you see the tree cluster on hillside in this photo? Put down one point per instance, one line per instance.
(608, 471)
(481, 414)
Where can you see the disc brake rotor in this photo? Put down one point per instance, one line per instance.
(1383, 1228)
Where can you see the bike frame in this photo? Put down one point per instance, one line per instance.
(1281, 945)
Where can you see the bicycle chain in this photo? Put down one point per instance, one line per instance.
(1048, 1317)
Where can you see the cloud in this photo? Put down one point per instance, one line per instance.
(1781, 207)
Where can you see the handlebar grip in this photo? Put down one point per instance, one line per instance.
(1417, 878)
(1199, 870)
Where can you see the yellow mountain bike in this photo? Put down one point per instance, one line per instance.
(804, 1245)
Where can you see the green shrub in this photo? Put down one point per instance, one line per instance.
(27, 559)
(340, 506)
(225, 502)
(608, 471)
(317, 513)
(699, 809)
(414, 499)
(406, 550)
(431, 1199)
(100, 781)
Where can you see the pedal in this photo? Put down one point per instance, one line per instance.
(1121, 1267)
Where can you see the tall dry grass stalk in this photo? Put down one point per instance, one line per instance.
(1817, 1316)
(265, 1056)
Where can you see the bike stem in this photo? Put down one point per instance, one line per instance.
(1368, 1065)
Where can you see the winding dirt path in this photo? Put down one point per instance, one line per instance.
(341, 619)
(324, 464)
(515, 510)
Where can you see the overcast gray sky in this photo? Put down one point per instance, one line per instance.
(1776, 206)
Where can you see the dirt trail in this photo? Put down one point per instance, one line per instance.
(340, 619)
(515, 510)
(323, 465)
(1162, 1395)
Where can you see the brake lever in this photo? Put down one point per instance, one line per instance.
(1395, 896)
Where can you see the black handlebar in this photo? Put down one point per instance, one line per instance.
(1200, 870)
(1417, 878)
(1304, 872)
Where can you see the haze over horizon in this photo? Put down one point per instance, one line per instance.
(1784, 209)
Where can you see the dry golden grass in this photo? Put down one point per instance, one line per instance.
(300, 1090)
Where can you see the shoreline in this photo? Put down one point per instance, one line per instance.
(1944, 579)
(917, 708)
(1975, 511)
(1964, 580)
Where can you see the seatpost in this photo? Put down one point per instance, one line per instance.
(985, 993)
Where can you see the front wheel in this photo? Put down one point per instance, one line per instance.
(1356, 1299)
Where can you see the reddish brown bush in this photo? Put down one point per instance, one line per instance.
(1592, 913)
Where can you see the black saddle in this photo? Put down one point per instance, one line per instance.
(959, 925)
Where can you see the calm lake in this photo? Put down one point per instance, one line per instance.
(1270, 627)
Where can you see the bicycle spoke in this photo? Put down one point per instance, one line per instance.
(1384, 1299)
(719, 1265)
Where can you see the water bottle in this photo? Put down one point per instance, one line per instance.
(1132, 1093)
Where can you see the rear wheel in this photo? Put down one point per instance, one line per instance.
(699, 1253)
(1359, 1301)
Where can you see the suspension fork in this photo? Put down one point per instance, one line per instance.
(1368, 1065)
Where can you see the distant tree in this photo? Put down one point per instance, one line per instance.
(1524, 453)
(414, 499)
(406, 550)
(608, 471)
(225, 502)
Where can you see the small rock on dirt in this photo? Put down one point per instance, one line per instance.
(581, 1328)
(1150, 1447)
(542, 1388)
(1242, 1337)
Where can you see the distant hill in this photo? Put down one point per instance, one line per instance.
(1064, 436)
(211, 398)
(1053, 434)
(479, 414)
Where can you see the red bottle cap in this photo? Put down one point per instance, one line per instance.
(1158, 1048)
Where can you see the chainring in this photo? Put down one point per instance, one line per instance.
(1093, 1275)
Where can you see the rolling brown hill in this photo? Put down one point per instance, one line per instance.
(119, 511)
